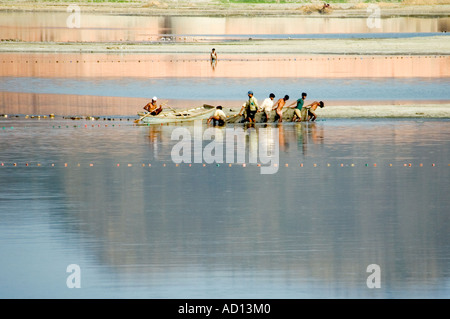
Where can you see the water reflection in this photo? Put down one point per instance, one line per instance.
(213, 64)
(308, 133)
(304, 141)
(159, 231)
(52, 27)
(70, 105)
(101, 65)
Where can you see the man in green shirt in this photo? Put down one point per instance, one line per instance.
(250, 107)
(299, 111)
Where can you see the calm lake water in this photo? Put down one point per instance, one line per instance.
(354, 193)
(236, 88)
(43, 26)
(113, 198)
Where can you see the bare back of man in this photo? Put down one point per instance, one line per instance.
(278, 106)
(312, 109)
(152, 107)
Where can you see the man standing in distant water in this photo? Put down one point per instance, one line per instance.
(299, 111)
(279, 107)
(312, 108)
(213, 54)
(152, 107)
(267, 105)
(213, 58)
(250, 107)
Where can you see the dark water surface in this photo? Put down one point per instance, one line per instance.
(354, 193)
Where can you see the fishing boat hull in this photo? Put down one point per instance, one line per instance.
(198, 113)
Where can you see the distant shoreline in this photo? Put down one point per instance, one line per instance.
(408, 8)
(432, 45)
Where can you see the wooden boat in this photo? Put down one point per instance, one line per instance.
(172, 116)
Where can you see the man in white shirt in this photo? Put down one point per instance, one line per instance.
(267, 106)
(219, 116)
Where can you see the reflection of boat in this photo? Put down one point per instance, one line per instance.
(198, 113)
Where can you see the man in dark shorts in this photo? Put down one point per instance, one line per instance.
(250, 107)
(312, 108)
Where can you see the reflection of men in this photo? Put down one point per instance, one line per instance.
(312, 108)
(250, 107)
(267, 106)
(299, 111)
(219, 116)
(152, 107)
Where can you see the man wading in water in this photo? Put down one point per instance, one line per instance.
(267, 105)
(250, 107)
(213, 58)
(299, 111)
(279, 107)
(312, 108)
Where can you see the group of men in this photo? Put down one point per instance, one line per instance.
(250, 108)
(301, 112)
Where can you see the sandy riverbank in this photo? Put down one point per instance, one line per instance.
(67, 105)
(436, 45)
(426, 111)
(226, 8)
(438, 111)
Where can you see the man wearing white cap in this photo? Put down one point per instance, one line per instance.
(152, 107)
